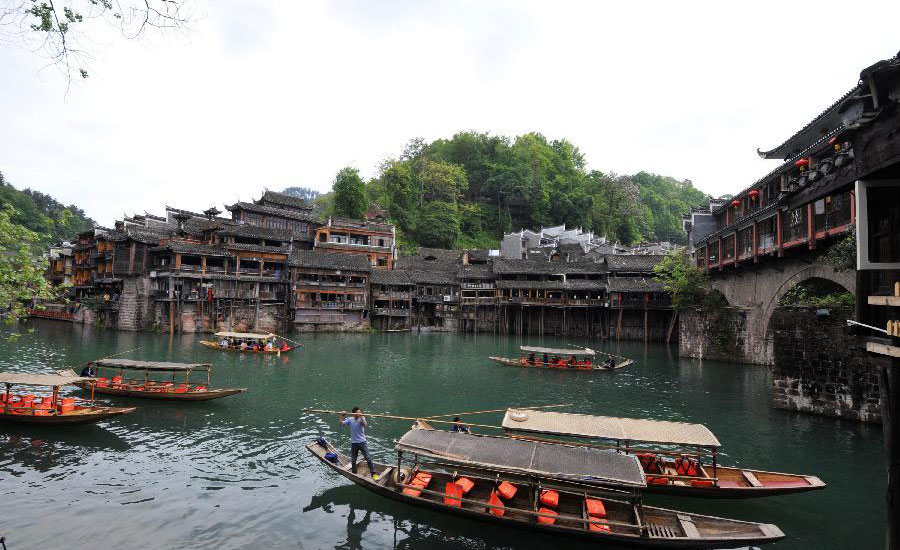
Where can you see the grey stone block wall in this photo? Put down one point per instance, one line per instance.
(820, 368)
(719, 334)
(134, 304)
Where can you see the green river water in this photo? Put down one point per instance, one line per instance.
(233, 473)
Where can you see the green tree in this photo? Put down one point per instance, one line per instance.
(438, 225)
(688, 285)
(21, 272)
(350, 197)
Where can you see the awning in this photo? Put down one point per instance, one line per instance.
(553, 351)
(248, 335)
(554, 461)
(609, 427)
(61, 378)
(150, 365)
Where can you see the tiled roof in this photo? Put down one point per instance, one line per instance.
(633, 284)
(285, 200)
(254, 231)
(192, 248)
(432, 276)
(348, 223)
(307, 216)
(474, 272)
(632, 263)
(512, 266)
(391, 277)
(444, 254)
(323, 260)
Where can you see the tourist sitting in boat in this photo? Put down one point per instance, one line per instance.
(545, 360)
(586, 362)
(458, 426)
(243, 345)
(573, 361)
(224, 342)
(530, 358)
(269, 346)
(284, 346)
(610, 362)
(88, 371)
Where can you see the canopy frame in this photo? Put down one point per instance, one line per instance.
(554, 351)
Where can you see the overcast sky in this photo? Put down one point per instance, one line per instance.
(275, 94)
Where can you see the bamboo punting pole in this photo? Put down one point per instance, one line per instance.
(497, 410)
(394, 417)
(107, 357)
(288, 339)
(598, 351)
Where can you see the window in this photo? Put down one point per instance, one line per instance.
(380, 242)
(382, 262)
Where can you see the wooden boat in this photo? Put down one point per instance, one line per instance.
(619, 519)
(174, 388)
(50, 409)
(692, 471)
(579, 359)
(235, 338)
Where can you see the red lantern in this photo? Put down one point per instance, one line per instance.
(832, 140)
(735, 203)
(754, 193)
(802, 163)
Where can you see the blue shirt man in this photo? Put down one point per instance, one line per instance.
(358, 443)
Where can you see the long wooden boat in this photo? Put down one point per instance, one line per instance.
(552, 358)
(50, 409)
(131, 378)
(234, 339)
(668, 470)
(537, 502)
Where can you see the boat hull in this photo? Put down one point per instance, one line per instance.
(767, 533)
(593, 368)
(76, 417)
(214, 345)
(163, 396)
(768, 484)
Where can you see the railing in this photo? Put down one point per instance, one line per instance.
(836, 213)
(391, 295)
(390, 312)
(639, 302)
(479, 300)
(794, 225)
(324, 304)
(765, 242)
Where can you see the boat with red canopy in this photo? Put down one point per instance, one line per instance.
(154, 380)
(47, 406)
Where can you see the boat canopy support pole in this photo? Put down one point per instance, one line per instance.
(715, 473)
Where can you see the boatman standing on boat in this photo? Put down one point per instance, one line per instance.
(358, 443)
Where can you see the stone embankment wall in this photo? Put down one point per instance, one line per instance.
(821, 368)
(134, 304)
(719, 334)
(197, 316)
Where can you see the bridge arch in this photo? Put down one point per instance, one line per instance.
(758, 291)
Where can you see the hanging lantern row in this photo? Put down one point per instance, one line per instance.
(802, 163)
(754, 193)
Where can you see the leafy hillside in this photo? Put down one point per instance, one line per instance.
(43, 214)
(468, 190)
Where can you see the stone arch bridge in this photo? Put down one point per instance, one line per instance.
(757, 289)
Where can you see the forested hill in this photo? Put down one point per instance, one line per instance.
(468, 190)
(43, 214)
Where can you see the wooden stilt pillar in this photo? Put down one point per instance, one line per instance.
(619, 325)
(646, 336)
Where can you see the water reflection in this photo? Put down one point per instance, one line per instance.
(46, 449)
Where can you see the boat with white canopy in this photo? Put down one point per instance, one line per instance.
(249, 342)
(580, 359)
(47, 406)
(677, 458)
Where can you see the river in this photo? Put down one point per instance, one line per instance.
(233, 473)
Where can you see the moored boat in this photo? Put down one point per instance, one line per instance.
(248, 342)
(130, 378)
(553, 358)
(557, 489)
(677, 458)
(47, 406)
